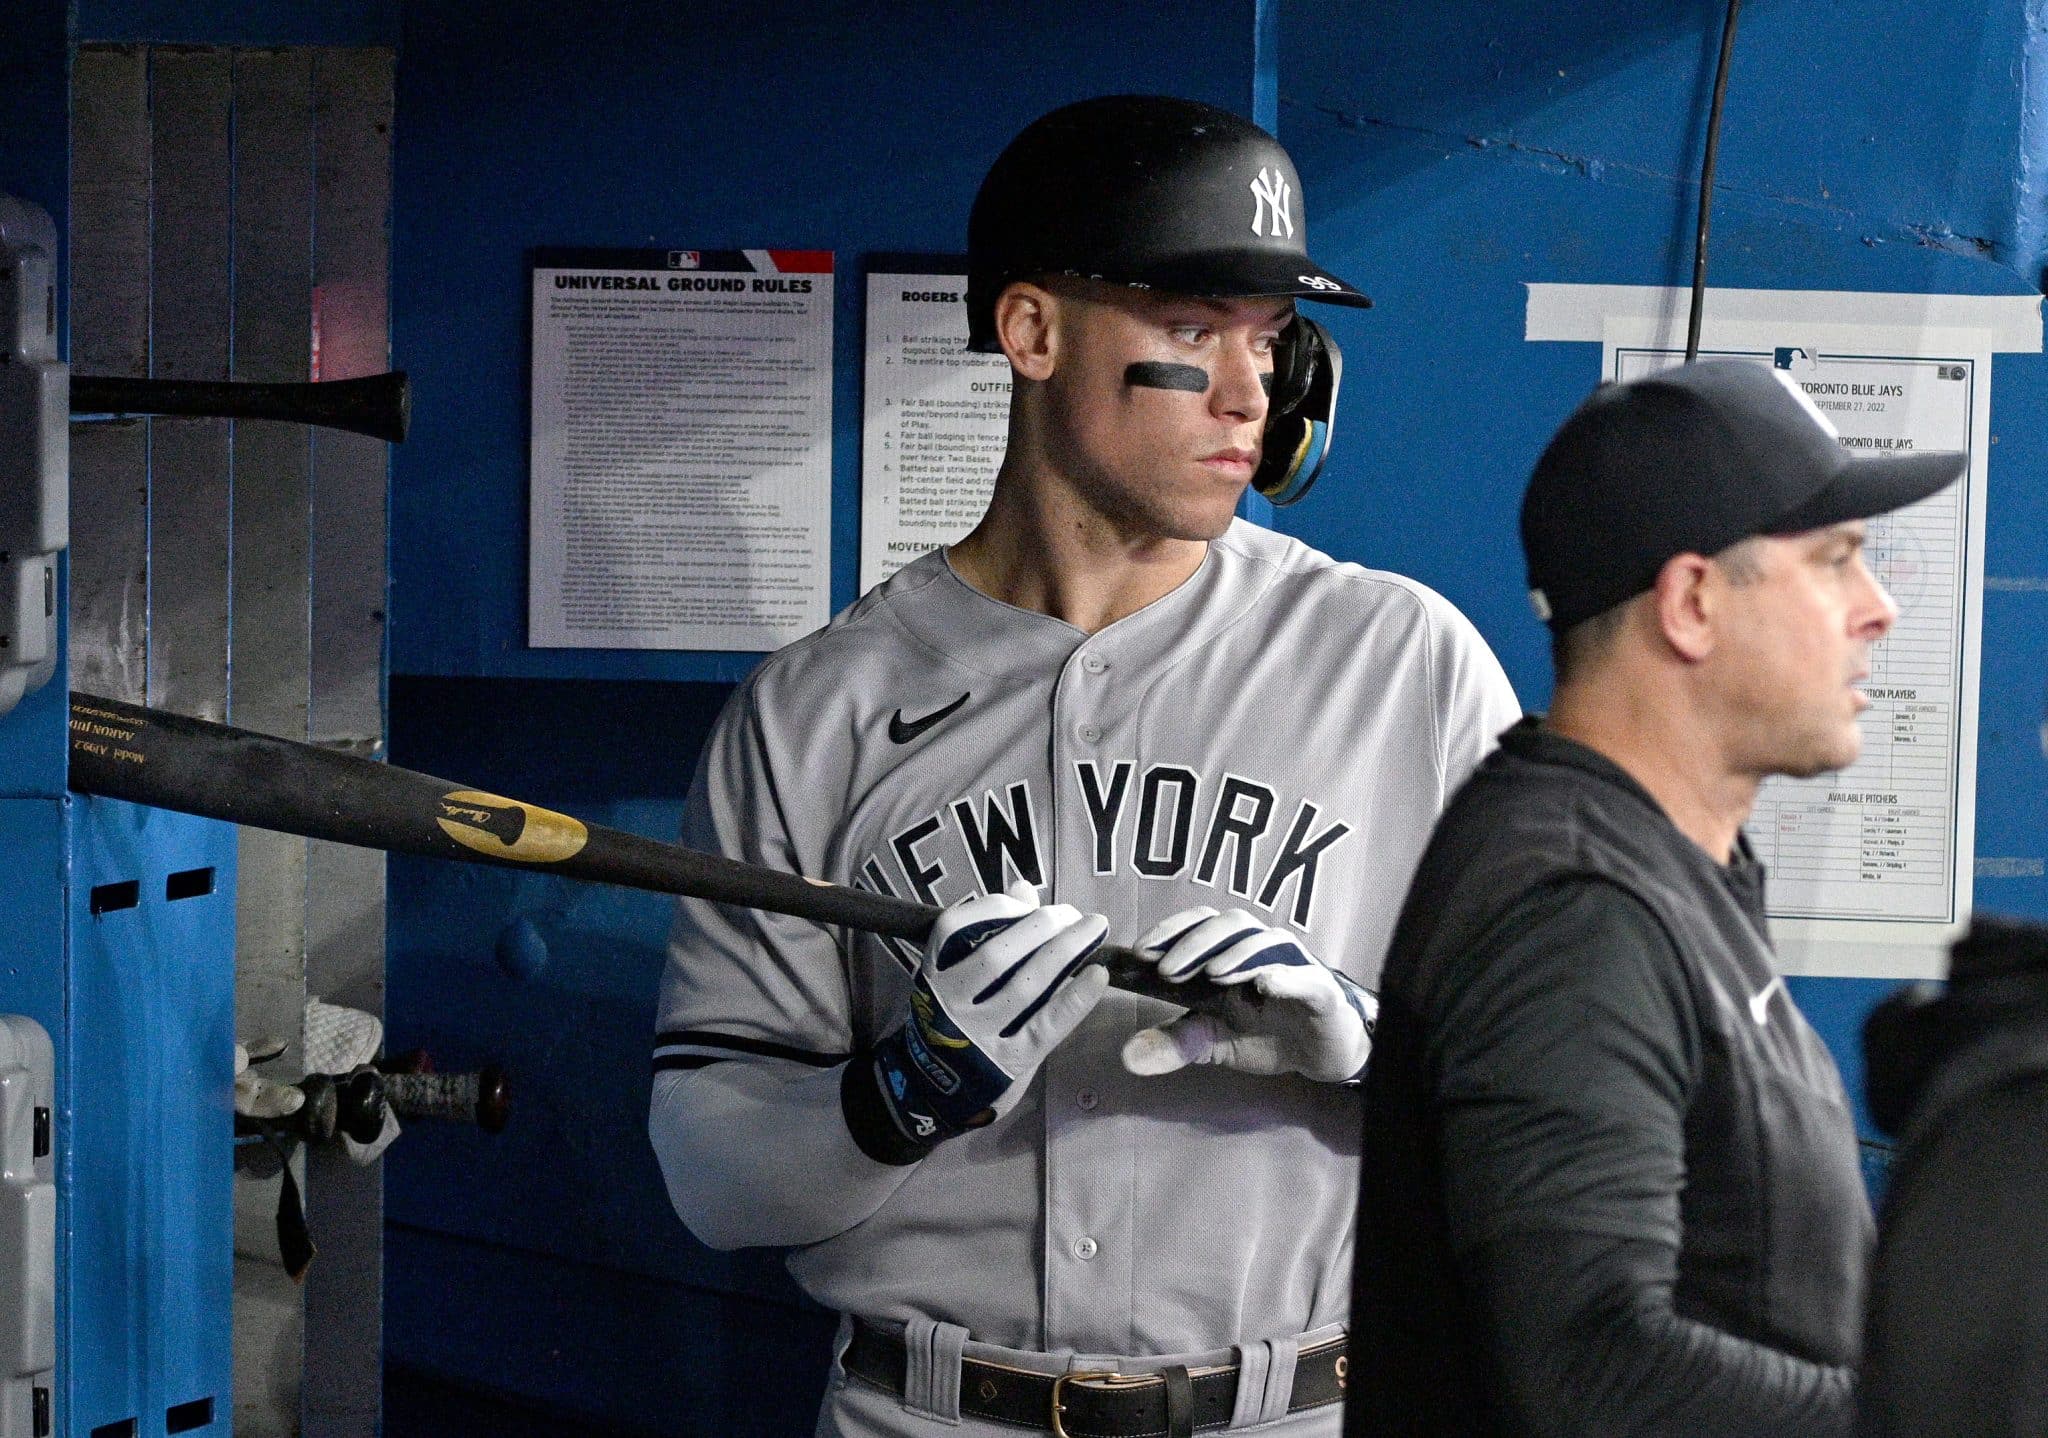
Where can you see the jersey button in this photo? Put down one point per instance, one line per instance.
(1084, 1249)
(1094, 663)
(1086, 1099)
(1089, 733)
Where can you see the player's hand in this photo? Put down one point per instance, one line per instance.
(1003, 981)
(1281, 1009)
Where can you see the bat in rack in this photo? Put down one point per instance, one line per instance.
(379, 405)
(171, 761)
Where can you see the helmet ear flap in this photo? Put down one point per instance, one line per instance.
(1307, 369)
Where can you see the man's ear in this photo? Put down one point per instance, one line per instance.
(1687, 599)
(1028, 327)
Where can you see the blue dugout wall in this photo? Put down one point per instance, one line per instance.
(1451, 155)
(1455, 157)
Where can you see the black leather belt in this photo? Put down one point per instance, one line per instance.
(1172, 1401)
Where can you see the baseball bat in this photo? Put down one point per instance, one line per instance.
(172, 761)
(479, 1097)
(379, 405)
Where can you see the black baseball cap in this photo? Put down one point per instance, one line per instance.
(1150, 191)
(1690, 461)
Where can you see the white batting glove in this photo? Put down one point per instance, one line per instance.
(1003, 981)
(1282, 1009)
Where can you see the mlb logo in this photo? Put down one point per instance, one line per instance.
(1795, 360)
(682, 259)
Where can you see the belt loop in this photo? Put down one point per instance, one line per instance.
(1265, 1381)
(1254, 1360)
(931, 1377)
(1180, 1402)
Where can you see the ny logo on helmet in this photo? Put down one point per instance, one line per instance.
(1271, 194)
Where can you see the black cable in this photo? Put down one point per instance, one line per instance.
(1699, 248)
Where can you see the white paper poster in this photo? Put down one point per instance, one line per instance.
(935, 421)
(681, 454)
(1876, 840)
(1870, 868)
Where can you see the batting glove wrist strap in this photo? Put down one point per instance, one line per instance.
(1003, 981)
(931, 1082)
(876, 1124)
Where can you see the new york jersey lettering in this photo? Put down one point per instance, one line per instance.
(980, 843)
(1104, 808)
(1240, 831)
(923, 876)
(1298, 857)
(997, 838)
(1146, 857)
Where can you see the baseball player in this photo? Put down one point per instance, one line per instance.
(1112, 711)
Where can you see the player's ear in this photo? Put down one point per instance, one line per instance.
(1688, 601)
(1028, 325)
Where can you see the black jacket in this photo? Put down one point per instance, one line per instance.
(1611, 1182)
(1959, 1292)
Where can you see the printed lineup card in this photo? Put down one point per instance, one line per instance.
(1877, 840)
(935, 420)
(681, 450)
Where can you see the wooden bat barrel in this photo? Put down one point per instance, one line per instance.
(173, 761)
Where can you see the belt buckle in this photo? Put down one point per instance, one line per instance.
(1059, 1384)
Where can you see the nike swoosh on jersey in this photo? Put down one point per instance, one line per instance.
(1760, 1001)
(904, 730)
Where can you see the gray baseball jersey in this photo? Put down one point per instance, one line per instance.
(1277, 734)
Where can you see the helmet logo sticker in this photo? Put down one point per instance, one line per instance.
(1271, 195)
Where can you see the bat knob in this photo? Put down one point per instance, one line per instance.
(359, 1105)
(316, 1117)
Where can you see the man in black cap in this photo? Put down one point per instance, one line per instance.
(1112, 707)
(1610, 1177)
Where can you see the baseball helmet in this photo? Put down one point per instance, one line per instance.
(1167, 194)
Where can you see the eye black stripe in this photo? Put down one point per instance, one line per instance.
(1156, 374)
